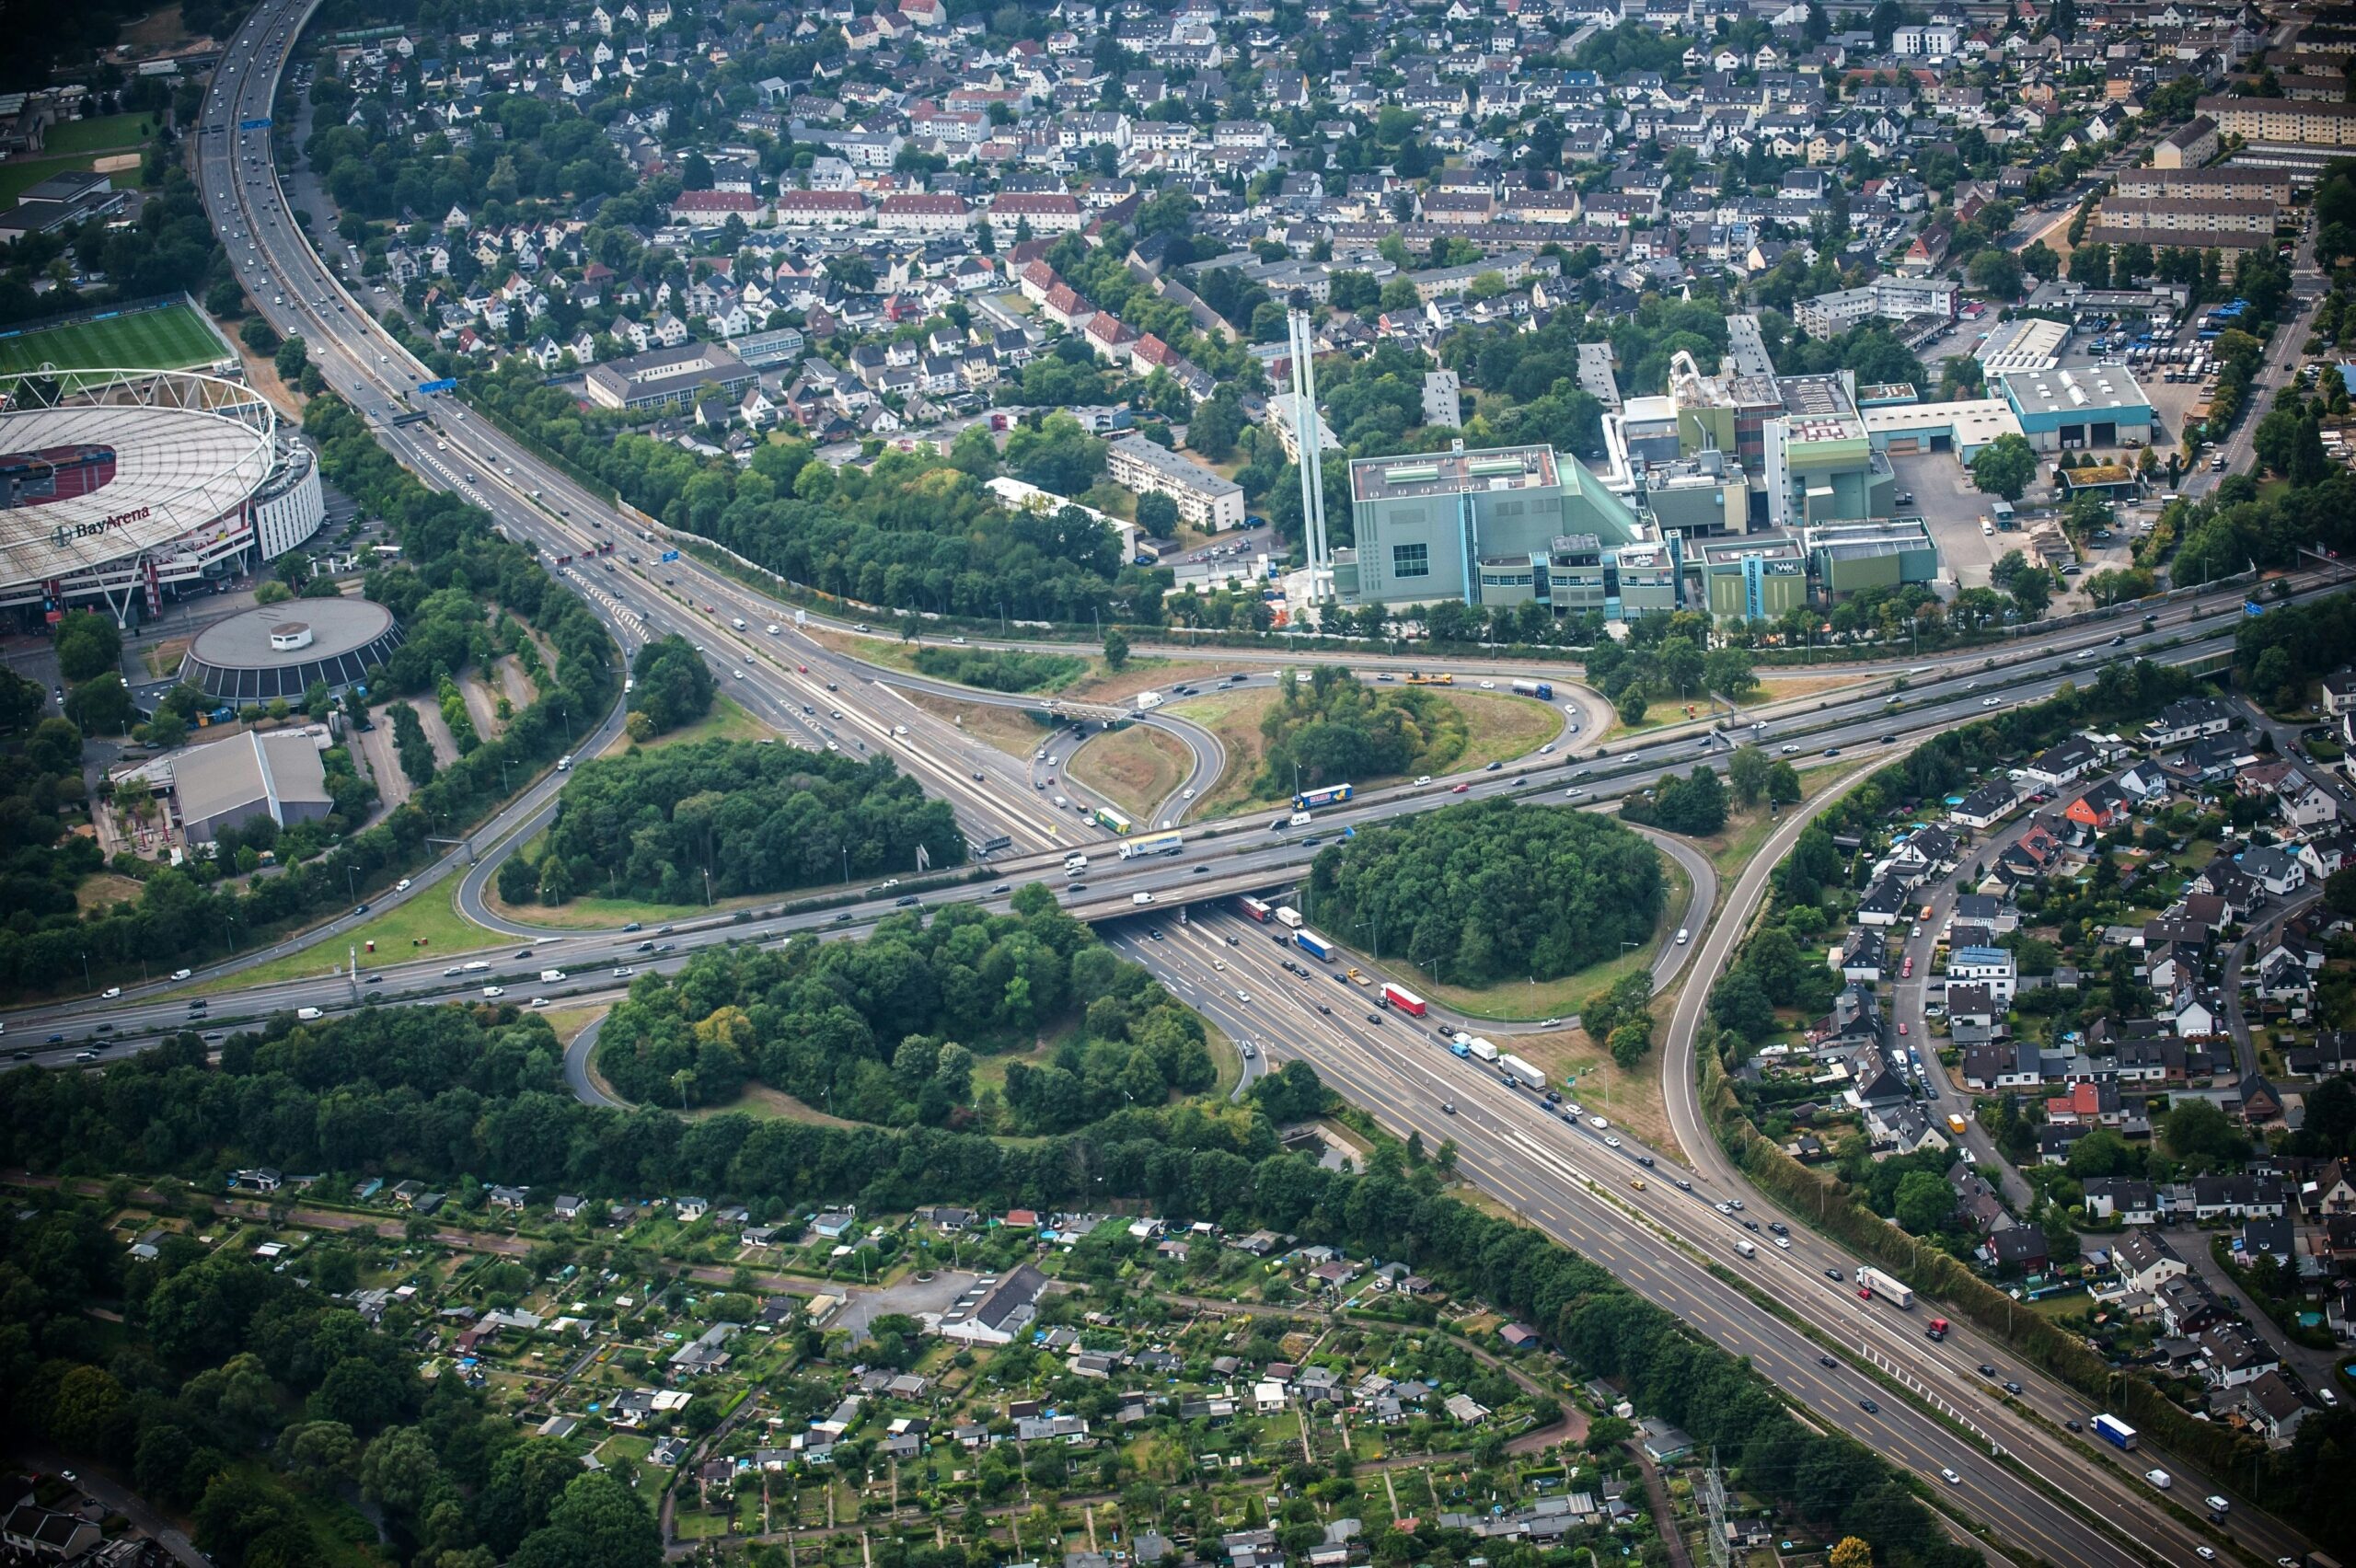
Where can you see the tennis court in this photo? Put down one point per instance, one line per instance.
(172, 339)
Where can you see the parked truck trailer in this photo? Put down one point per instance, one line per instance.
(1527, 1072)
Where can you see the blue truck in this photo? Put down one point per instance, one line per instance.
(1312, 944)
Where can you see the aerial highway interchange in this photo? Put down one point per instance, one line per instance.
(2003, 1466)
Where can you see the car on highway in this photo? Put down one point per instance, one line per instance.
(1448, 1107)
(1459, 788)
(1869, 1407)
(1992, 702)
(1244, 996)
(1791, 750)
(1950, 1477)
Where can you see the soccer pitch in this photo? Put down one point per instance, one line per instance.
(175, 338)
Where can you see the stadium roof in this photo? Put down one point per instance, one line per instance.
(185, 452)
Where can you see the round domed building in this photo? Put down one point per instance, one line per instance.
(283, 650)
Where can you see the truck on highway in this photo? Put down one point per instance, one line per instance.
(2114, 1432)
(1527, 1072)
(1288, 917)
(1253, 908)
(1872, 1282)
(1152, 844)
(478, 966)
(1149, 700)
(1543, 690)
(1482, 1048)
(1399, 996)
(1312, 944)
(1331, 795)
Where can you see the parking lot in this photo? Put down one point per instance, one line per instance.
(1945, 501)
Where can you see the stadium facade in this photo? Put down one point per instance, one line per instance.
(124, 489)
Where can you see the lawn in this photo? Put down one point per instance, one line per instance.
(16, 178)
(1136, 767)
(1010, 730)
(106, 133)
(770, 1105)
(172, 339)
(427, 926)
(1501, 729)
(726, 722)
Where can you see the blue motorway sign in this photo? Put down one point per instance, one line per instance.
(261, 124)
(2250, 607)
(447, 384)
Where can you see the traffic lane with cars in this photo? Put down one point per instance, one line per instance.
(1518, 1153)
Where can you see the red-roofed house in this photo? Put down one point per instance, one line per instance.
(822, 209)
(1111, 336)
(1047, 212)
(924, 212)
(709, 209)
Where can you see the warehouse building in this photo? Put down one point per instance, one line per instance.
(1475, 526)
(231, 782)
(665, 377)
(2068, 411)
(1207, 500)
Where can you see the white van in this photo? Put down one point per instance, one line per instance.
(552, 976)
(1073, 864)
(1684, 936)
(1061, 804)
(1140, 898)
(1746, 1248)
(2159, 1479)
(772, 628)
(307, 1014)
(493, 991)
(564, 763)
(401, 886)
(738, 622)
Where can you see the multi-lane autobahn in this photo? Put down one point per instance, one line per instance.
(2043, 1495)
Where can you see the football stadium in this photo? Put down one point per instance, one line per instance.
(130, 490)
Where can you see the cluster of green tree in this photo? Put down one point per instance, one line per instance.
(1870, 349)
(1096, 268)
(1753, 777)
(2233, 528)
(1533, 380)
(717, 819)
(886, 1030)
(1665, 657)
(1619, 1017)
(2278, 655)
(910, 532)
(168, 249)
(546, 151)
(1332, 729)
(451, 555)
(253, 1401)
(1695, 805)
(2005, 467)
(2289, 440)
(42, 787)
(670, 685)
(1492, 891)
(999, 671)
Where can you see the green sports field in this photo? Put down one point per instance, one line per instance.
(172, 339)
